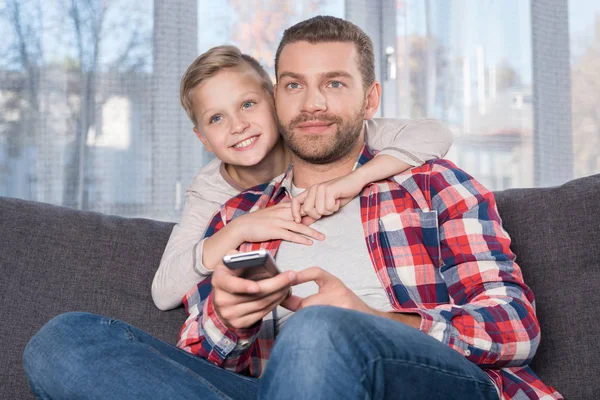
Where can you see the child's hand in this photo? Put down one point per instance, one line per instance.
(275, 222)
(326, 198)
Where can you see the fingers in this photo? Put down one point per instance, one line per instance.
(281, 281)
(296, 204)
(243, 315)
(241, 310)
(292, 303)
(317, 201)
(316, 274)
(308, 206)
(303, 230)
(237, 293)
(225, 279)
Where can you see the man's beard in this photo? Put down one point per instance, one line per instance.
(323, 149)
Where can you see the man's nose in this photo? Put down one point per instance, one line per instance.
(314, 101)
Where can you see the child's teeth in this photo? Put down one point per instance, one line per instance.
(245, 143)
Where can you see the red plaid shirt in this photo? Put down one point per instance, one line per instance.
(438, 230)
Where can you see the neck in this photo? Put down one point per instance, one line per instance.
(275, 163)
(307, 174)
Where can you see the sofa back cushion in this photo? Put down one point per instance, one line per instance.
(55, 259)
(556, 236)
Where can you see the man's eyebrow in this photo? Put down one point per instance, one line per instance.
(292, 75)
(326, 75)
(337, 74)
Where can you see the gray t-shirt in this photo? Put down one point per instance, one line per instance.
(344, 235)
(410, 141)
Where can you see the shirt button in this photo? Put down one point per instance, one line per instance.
(227, 342)
(467, 353)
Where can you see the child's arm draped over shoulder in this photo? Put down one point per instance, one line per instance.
(403, 144)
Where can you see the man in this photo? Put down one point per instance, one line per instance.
(418, 289)
(418, 294)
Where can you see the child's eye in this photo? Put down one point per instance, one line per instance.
(248, 104)
(336, 84)
(215, 118)
(293, 85)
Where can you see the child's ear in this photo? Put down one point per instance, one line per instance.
(203, 140)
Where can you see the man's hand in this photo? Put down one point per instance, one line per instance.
(276, 222)
(326, 198)
(240, 303)
(333, 292)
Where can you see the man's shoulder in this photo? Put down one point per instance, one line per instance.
(440, 178)
(435, 169)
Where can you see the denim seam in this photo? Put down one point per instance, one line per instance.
(189, 371)
(488, 383)
(132, 337)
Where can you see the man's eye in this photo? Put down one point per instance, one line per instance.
(248, 104)
(215, 118)
(336, 84)
(293, 85)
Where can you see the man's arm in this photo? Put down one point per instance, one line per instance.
(491, 318)
(205, 334)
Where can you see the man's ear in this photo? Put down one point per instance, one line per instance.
(372, 100)
(203, 140)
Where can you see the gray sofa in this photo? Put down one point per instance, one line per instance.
(54, 259)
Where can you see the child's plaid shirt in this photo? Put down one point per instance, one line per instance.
(437, 243)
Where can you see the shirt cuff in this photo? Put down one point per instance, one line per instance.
(402, 155)
(199, 267)
(222, 338)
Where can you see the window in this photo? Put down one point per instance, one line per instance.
(89, 91)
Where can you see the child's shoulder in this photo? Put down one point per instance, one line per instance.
(209, 183)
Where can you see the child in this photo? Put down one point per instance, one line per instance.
(229, 98)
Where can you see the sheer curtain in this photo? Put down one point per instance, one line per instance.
(89, 90)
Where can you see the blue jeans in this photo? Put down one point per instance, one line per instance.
(321, 353)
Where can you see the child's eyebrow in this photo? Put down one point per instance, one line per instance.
(250, 92)
(205, 112)
(242, 96)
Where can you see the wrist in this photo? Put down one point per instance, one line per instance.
(235, 234)
(361, 175)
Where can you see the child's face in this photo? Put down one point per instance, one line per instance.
(235, 117)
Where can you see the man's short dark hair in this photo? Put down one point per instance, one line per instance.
(322, 29)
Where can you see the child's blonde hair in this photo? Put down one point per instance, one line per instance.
(211, 62)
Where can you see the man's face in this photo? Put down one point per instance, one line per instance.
(320, 100)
